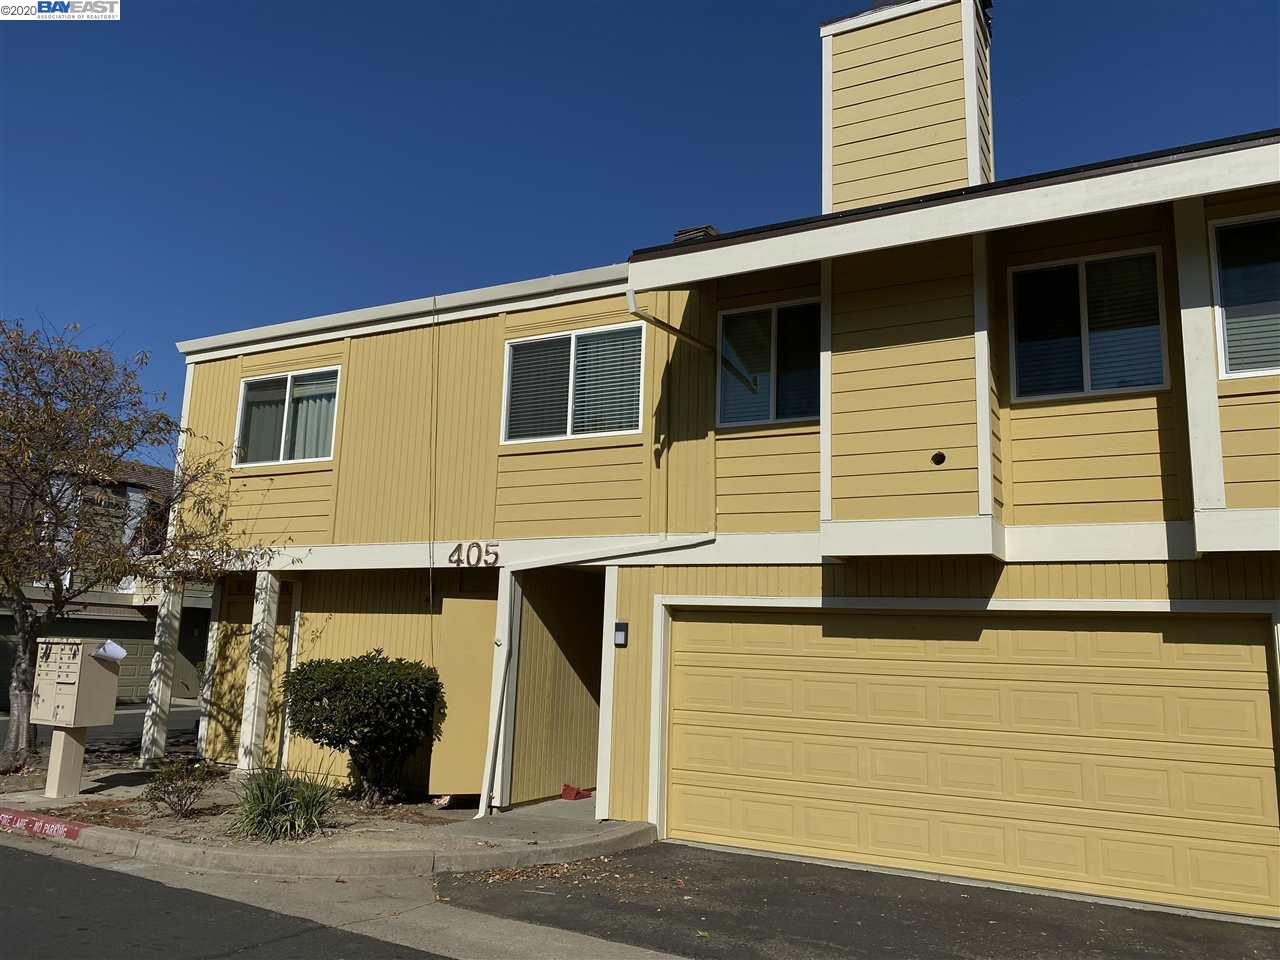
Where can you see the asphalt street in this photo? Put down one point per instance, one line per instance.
(712, 904)
(126, 733)
(57, 910)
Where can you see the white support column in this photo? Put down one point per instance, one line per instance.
(824, 393)
(210, 665)
(504, 652)
(982, 370)
(257, 679)
(155, 724)
(1199, 355)
(604, 744)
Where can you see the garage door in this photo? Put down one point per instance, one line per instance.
(1128, 758)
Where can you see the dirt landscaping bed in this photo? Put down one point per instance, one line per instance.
(348, 826)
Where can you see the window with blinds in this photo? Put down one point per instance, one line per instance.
(1248, 256)
(577, 384)
(287, 418)
(769, 364)
(1092, 325)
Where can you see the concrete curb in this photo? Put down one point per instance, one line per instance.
(275, 863)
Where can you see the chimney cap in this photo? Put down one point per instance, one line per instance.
(702, 232)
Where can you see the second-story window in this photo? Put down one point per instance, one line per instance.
(574, 384)
(1090, 325)
(1248, 284)
(287, 418)
(769, 364)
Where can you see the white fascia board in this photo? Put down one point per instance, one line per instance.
(880, 15)
(732, 549)
(1238, 529)
(483, 301)
(1100, 542)
(923, 537)
(513, 554)
(982, 212)
(994, 604)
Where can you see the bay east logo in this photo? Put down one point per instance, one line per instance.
(61, 10)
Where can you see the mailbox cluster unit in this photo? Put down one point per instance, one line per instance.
(73, 688)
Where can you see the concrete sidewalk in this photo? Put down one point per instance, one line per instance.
(555, 831)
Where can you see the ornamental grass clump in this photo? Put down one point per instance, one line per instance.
(378, 710)
(276, 805)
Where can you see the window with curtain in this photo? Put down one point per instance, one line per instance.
(287, 418)
(1249, 295)
(574, 385)
(1089, 326)
(769, 364)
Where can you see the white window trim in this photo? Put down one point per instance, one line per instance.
(773, 309)
(1079, 262)
(573, 356)
(288, 395)
(1219, 314)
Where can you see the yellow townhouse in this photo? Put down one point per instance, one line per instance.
(939, 531)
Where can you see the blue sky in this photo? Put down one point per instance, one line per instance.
(197, 168)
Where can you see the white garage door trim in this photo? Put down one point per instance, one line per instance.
(664, 604)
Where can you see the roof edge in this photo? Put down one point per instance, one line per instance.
(1082, 172)
(495, 295)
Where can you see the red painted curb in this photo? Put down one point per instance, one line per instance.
(38, 825)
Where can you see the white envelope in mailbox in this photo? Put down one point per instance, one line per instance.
(110, 651)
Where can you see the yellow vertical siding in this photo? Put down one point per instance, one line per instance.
(685, 429)
(766, 477)
(557, 714)
(446, 620)
(903, 384)
(1222, 577)
(897, 109)
(226, 696)
(1100, 459)
(422, 411)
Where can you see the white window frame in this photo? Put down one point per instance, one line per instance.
(1079, 262)
(1219, 311)
(773, 309)
(284, 426)
(573, 357)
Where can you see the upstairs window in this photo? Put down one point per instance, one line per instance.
(287, 419)
(575, 384)
(769, 364)
(1248, 287)
(1085, 326)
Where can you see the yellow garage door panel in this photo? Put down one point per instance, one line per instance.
(1128, 757)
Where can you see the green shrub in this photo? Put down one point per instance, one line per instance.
(178, 784)
(379, 711)
(275, 805)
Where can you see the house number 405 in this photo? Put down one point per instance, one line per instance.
(474, 554)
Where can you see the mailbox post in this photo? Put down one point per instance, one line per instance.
(74, 690)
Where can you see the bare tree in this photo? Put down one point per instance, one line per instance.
(73, 421)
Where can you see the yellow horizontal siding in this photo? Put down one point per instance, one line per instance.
(898, 111)
(1119, 458)
(903, 384)
(1249, 411)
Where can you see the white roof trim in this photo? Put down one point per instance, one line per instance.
(523, 295)
(879, 15)
(1133, 187)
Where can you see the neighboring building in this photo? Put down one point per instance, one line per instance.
(127, 614)
(940, 531)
